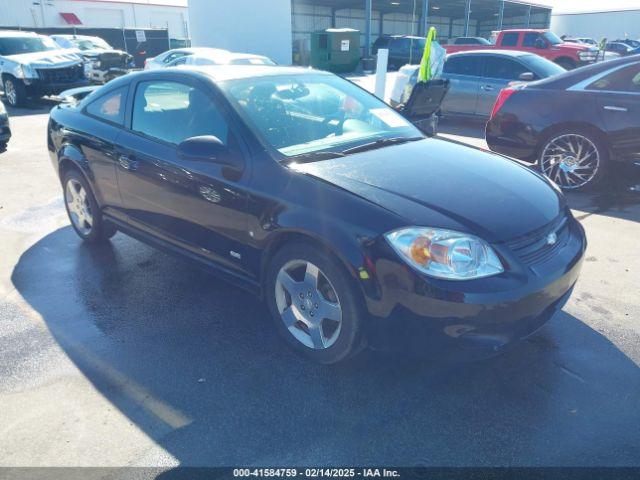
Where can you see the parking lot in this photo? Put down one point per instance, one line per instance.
(119, 355)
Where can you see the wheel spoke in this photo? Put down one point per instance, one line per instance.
(317, 336)
(330, 311)
(288, 283)
(289, 316)
(311, 275)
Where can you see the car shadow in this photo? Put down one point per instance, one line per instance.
(33, 107)
(197, 366)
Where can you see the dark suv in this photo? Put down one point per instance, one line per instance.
(403, 49)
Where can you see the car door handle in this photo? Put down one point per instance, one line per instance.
(613, 108)
(127, 163)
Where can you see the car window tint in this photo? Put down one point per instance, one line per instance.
(110, 107)
(510, 39)
(173, 112)
(463, 66)
(503, 68)
(623, 80)
(529, 39)
(173, 56)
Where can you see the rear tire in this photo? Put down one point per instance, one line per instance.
(15, 92)
(83, 209)
(314, 303)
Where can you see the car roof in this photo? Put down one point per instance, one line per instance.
(526, 30)
(238, 72)
(221, 73)
(18, 33)
(501, 53)
(571, 77)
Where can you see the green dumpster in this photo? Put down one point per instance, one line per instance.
(335, 49)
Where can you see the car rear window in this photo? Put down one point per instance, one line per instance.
(110, 107)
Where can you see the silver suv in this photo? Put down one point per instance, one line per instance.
(33, 65)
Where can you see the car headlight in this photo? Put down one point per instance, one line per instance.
(589, 55)
(3, 111)
(26, 71)
(445, 254)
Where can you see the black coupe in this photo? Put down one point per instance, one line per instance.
(305, 189)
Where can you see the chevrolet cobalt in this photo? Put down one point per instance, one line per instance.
(308, 191)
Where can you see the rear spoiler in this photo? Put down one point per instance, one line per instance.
(74, 95)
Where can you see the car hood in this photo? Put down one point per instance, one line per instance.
(444, 184)
(575, 46)
(48, 59)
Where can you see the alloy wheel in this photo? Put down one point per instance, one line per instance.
(570, 160)
(78, 207)
(308, 304)
(11, 93)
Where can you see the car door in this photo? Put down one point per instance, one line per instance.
(618, 97)
(463, 73)
(199, 206)
(102, 122)
(498, 72)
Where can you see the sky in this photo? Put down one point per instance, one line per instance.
(589, 5)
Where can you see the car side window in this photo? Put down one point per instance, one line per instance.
(173, 56)
(510, 39)
(626, 79)
(529, 39)
(463, 66)
(503, 68)
(172, 112)
(110, 107)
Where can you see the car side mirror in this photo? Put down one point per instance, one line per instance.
(526, 76)
(208, 148)
(540, 43)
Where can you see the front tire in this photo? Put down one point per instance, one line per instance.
(83, 209)
(575, 159)
(314, 304)
(15, 92)
(566, 63)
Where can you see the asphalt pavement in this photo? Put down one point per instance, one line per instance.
(119, 355)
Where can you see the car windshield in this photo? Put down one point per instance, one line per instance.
(303, 114)
(543, 67)
(18, 45)
(90, 44)
(552, 38)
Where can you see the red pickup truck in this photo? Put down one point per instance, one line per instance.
(541, 42)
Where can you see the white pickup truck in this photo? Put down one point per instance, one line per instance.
(33, 65)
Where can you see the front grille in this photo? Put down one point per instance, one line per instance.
(113, 60)
(534, 248)
(61, 75)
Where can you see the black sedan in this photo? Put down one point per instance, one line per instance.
(303, 188)
(577, 127)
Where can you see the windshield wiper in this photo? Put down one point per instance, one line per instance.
(382, 142)
(313, 157)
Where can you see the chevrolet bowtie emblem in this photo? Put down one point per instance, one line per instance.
(552, 238)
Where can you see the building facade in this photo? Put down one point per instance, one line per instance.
(165, 14)
(611, 24)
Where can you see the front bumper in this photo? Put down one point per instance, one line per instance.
(471, 319)
(100, 76)
(38, 88)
